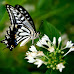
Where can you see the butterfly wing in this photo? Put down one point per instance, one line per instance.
(15, 35)
(20, 30)
(10, 39)
(26, 14)
(21, 18)
(24, 35)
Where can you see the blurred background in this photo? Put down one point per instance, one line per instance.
(59, 13)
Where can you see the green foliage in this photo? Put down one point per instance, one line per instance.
(49, 30)
(50, 71)
(14, 2)
(2, 10)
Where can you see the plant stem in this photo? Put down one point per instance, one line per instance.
(46, 57)
(51, 71)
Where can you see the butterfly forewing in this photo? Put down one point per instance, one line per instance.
(19, 18)
(26, 14)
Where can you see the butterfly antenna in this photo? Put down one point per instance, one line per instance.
(41, 26)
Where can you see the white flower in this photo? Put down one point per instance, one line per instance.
(71, 49)
(45, 37)
(38, 62)
(69, 44)
(60, 66)
(54, 41)
(43, 41)
(31, 60)
(33, 49)
(51, 49)
(31, 55)
(59, 40)
(39, 43)
(40, 53)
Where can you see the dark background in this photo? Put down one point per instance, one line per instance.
(60, 13)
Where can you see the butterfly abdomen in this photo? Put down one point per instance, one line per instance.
(12, 39)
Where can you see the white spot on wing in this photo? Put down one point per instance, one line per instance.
(21, 39)
(12, 27)
(25, 29)
(20, 8)
(18, 21)
(19, 15)
(16, 17)
(18, 38)
(20, 24)
(5, 42)
(25, 11)
(26, 15)
(7, 36)
(22, 18)
(21, 11)
(28, 18)
(25, 41)
(20, 30)
(23, 34)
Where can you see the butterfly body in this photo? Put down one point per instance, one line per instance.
(22, 28)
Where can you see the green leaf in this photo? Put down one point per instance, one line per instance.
(2, 9)
(50, 71)
(50, 30)
(44, 5)
(14, 2)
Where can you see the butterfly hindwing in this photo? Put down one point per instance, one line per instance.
(10, 38)
(14, 36)
(23, 34)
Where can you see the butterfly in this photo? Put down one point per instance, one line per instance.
(22, 27)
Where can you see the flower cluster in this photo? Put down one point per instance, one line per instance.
(33, 56)
(52, 57)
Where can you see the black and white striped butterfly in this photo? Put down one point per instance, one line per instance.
(22, 27)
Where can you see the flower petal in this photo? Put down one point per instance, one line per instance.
(71, 49)
(38, 62)
(45, 37)
(54, 41)
(40, 53)
(59, 40)
(33, 49)
(51, 49)
(44, 41)
(39, 44)
(60, 66)
(69, 44)
(31, 60)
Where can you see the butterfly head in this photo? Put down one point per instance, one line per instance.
(37, 34)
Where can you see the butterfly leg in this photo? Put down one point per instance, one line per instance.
(32, 41)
